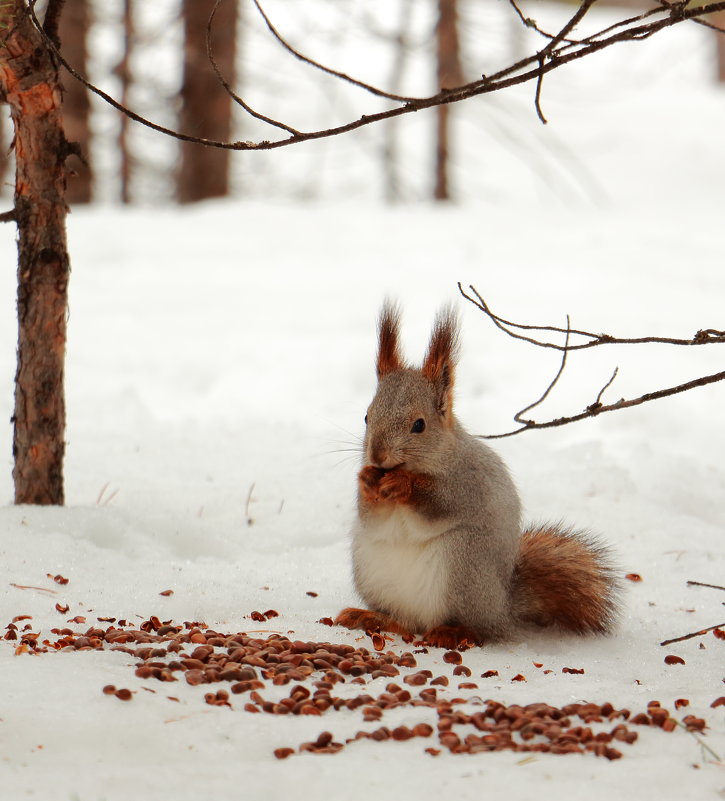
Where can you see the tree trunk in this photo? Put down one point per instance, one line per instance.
(719, 20)
(76, 104)
(124, 73)
(449, 75)
(206, 107)
(30, 84)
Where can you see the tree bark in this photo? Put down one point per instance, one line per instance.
(449, 74)
(206, 107)
(76, 103)
(29, 83)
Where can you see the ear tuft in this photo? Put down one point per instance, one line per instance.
(388, 340)
(440, 361)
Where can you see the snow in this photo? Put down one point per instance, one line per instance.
(219, 366)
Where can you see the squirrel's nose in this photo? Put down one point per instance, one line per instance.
(378, 453)
(380, 456)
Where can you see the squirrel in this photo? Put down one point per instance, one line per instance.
(438, 548)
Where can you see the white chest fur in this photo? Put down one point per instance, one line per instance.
(399, 568)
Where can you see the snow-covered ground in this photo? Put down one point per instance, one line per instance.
(219, 366)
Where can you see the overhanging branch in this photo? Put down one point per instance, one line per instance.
(559, 50)
(707, 336)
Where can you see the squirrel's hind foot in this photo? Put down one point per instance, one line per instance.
(450, 637)
(366, 620)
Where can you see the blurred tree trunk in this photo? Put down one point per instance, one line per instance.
(719, 20)
(30, 85)
(123, 71)
(73, 29)
(206, 108)
(449, 74)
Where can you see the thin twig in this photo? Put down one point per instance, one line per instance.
(518, 415)
(537, 95)
(328, 70)
(531, 23)
(223, 81)
(30, 587)
(250, 521)
(694, 634)
(702, 584)
(705, 336)
(700, 741)
(594, 411)
(598, 402)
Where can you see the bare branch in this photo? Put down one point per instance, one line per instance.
(706, 336)
(597, 409)
(558, 52)
(702, 337)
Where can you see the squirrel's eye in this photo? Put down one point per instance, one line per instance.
(418, 426)
(366, 419)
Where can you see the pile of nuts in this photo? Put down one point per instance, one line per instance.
(314, 672)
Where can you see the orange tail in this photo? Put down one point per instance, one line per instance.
(565, 578)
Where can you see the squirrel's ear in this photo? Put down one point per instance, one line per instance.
(440, 361)
(388, 345)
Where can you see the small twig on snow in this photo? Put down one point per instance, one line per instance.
(702, 584)
(693, 634)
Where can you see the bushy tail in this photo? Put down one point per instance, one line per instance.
(564, 578)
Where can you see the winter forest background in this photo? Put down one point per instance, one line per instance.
(152, 57)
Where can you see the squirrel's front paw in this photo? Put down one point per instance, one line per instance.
(369, 480)
(396, 486)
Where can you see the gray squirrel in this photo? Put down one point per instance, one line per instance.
(438, 548)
